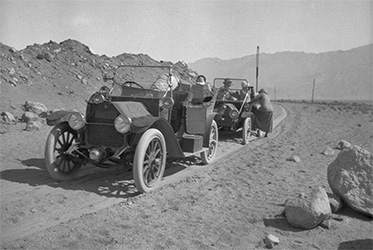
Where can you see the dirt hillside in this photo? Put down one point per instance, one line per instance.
(62, 75)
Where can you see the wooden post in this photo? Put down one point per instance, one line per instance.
(313, 90)
(257, 67)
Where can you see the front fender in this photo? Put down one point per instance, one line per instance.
(141, 124)
(206, 137)
(59, 116)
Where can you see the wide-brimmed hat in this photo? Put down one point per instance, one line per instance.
(227, 81)
(263, 91)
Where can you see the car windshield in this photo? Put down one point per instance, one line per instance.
(143, 80)
(235, 83)
(143, 75)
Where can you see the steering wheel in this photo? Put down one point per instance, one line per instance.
(132, 84)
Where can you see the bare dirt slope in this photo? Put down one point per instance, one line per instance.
(231, 204)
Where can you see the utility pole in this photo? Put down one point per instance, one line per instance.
(313, 90)
(257, 67)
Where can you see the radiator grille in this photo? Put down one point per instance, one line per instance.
(100, 128)
(107, 135)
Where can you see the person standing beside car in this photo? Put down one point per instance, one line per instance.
(264, 114)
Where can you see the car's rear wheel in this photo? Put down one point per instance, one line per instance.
(208, 155)
(62, 163)
(246, 130)
(150, 161)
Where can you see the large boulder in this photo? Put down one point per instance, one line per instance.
(350, 176)
(309, 211)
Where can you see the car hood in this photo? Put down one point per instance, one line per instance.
(141, 118)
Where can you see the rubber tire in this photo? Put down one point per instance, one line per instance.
(138, 163)
(50, 149)
(246, 130)
(209, 155)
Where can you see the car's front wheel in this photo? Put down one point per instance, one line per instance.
(208, 155)
(150, 161)
(246, 130)
(61, 161)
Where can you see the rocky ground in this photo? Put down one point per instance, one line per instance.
(230, 204)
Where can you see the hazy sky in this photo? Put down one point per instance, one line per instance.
(189, 30)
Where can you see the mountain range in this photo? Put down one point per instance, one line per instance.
(336, 75)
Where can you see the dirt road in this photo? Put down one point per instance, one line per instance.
(230, 204)
(31, 201)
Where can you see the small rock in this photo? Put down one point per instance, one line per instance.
(271, 240)
(13, 50)
(35, 107)
(337, 217)
(57, 50)
(293, 158)
(48, 56)
(40, 56)
(328, 151)
(33, 126)
(325, 224)
(13, 83)
(7, 117)
(335, 202)
(23, 57)
(12, 71)
(33, 210)
(84, 81)
(29, 116)
(343, 144)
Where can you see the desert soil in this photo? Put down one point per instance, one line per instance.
(230, 204)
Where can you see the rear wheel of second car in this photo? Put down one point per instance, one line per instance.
(149, 161)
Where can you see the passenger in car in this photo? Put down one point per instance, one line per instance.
(164, 82)
(201, 80)
(264, 114)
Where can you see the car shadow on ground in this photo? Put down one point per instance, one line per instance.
(115, 181)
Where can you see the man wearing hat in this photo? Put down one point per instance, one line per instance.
(263, 115)
(224, 93)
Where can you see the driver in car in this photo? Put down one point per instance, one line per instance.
(224, 92)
